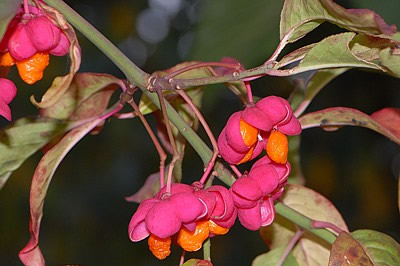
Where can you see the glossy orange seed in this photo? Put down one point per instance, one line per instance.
(193, 241)
(6, 59)
(277, 147)
(31, 70)
(249, 133)
(248, 156)
(216, 229)
(160, 247)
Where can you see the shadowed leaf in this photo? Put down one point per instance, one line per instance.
(272, 257)
(24, 137)
(381, 248)
(348, 251)
(299, 17)
(31, 254)
(80, 101)
(310, 250)
(151, 186)
(317, 82)
(383, 122)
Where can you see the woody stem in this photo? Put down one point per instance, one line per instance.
(199, 65)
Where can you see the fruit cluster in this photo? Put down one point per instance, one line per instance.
(188, 215)
(27, 43)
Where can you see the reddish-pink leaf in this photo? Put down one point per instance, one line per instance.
(389, 118)
(335, 117)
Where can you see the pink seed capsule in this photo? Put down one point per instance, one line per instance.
(43, 33)
(62, 47)
(7, 94)
(20, 45)
(7, 90)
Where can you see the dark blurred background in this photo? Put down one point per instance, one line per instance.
(85, 214)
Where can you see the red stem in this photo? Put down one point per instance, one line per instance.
(249, 92)
(322, 224)
(210, 135)
(161, 153)
(235, 170)
(290, 246)
(26, 7)
(176, 155)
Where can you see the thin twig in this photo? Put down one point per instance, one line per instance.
(236, 170)
(160, 150)
(182, 259)
(290, 246)
(175, 153)
(210, 135)
(322, 224)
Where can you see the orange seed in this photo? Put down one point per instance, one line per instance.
(31, 69)
(247, 156)
(249, 133)
(277, 147)
(216, 229)
(6, 60)
(160, 247)
(193, 241)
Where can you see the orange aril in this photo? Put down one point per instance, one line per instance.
(247, 156)
(31, 69)
(193, 241)
(249, 133)
(160, 247)
(6, 59)
(216, 229)
(277, 147)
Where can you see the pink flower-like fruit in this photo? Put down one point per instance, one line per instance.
(43, 34)
(7, 94)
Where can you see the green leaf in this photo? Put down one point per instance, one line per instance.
(333, 52)
(44, 172)
(381, 248)
(310, 249)
(75, 102)
(21, 139)
(332, 118)
(8, 9)
(348, 251)
(146, 106)
(295, 56)
(250, 29)
(390, 58)
(272, 257)
(299, 17)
